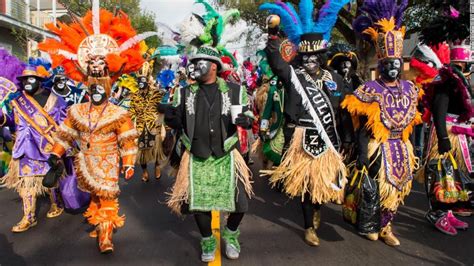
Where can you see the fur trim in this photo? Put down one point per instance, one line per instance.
(89, 184)
(111, 120)
(301, 173)
(374, 124)
(128, 152)
(104, 210)
(131, 134)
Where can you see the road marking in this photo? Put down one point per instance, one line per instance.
(216, 225)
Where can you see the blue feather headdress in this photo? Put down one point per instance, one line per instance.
(166, 78)
(296, 25)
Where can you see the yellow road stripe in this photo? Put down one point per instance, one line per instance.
(216, 224)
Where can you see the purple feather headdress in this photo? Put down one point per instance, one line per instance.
(12, 67)
(381, 22)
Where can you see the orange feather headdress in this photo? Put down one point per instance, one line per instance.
(101, 33)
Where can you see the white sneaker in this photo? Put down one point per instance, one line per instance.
(231, 242)
(208, 247)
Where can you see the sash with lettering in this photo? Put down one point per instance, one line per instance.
(316, 142)
(36, 116)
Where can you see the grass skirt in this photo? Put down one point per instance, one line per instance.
(152, 155)
(27, 185)
(390, 196)
(301, 173)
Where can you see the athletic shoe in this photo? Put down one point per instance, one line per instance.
(208, 247)
(458, 224)
(444, 226)
(231, 242)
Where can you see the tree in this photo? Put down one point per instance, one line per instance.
(419, 13)
(142, 21)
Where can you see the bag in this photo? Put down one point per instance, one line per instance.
(73, 198)
(352, 199)
(447, 187)
(368, 211)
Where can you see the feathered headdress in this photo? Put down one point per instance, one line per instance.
(301, 27)
(340, 52)
(11, 68)
(98, 33)
(129, 82)
(212, 29)
(382, 22)
(166, 78)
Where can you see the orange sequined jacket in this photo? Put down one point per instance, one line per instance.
(104, 136)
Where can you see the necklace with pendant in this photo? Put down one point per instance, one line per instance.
(389, 89)
(91, 129)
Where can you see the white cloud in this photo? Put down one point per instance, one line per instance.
(171, 12)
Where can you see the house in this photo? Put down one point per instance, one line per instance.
(22, 24)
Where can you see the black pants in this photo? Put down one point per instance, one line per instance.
(309, 208)
(204, 219)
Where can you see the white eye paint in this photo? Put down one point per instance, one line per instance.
(397, 63)
(31, 80)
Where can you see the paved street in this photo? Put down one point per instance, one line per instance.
(271, 235)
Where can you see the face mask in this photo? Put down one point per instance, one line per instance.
(311, 63)
(142, 83)
(190, 70)
(98, 94)
(345, 68)
(31, 85)
(391, 69)
(202, 69)
(125, 93)
(60, 86)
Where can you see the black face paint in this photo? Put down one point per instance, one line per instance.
(142, 83)
(311, 63)
(60, 86)
(390, 69)
(201, 69)
(125, 93)
(31, 85)
(345, 68)
(98, 95)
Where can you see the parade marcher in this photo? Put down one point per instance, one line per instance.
(36, 115)
(270, 101)
(143, 110)
(448, 101)
(386, 111)
(104, 132)
(212, 174)
(315, 129)
(124, 88)
(345, 63)
(67, 89)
